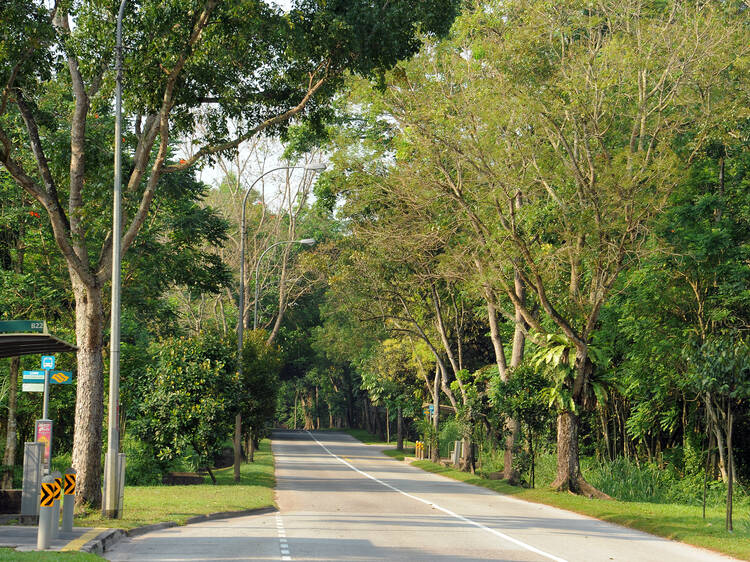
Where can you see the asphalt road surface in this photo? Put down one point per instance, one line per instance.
(341, 500)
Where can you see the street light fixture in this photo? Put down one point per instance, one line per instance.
(241, 300)
(304, 241)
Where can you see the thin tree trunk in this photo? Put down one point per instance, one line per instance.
(296, 398)
(282, 299)
(11, 439)
(512, 426)
(387, 425)
(399, 429)
(237, 446)
(716, 428)
(251, 448)
(730, 465)
(89, 416)
(497, 342)
(605, 433)
(317, 411)
(435, 457)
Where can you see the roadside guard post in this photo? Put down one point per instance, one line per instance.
(69, 500)
(46, 503)
(55, 528)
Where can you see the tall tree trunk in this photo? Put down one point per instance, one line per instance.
(250, 446)
(569, 476)
(730, 465)
(296, 399)
(435, 442)
(568, 470)
(715, 426)
(11, 439)
(379, 426)
(237, 446)
(399, 429)
(87, 436)
(512, 426)
(317, 410)
(387, 425)
(307, 410)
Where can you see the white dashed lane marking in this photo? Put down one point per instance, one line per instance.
(283, 544)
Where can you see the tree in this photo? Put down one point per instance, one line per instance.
(721, 375)
(259, 387)
(555, 138)
(192, 398)
(30, 287)
(241, 59)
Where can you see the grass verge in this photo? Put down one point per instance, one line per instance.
(369, 438)
(673, 521)
(145, 505)
(399, 455)
(13, 555)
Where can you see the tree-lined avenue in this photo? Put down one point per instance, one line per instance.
(342, 500)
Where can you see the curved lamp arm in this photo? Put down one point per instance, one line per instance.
(241, 299)
(305, 241)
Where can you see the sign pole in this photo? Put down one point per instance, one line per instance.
(45, 407)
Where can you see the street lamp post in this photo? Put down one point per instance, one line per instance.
(241, 299)
(111, 500)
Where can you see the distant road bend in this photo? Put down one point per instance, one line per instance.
(341, 500)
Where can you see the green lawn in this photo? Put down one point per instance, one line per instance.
(144, 505)
(399, 455)
(14, 555)
(673, 521)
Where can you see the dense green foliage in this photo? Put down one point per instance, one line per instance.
(539, 225)
(189, 400)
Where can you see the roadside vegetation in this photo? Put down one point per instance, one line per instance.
(146, 505)
(532, 244)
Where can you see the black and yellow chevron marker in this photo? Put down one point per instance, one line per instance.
(58, 489)
(70, 485)
(47, 497)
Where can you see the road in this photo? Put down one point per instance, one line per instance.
(341, 500)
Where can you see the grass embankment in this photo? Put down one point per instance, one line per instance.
(145, 505)
(673, 521)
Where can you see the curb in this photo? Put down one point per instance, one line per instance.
(230, 514)
(107, 539)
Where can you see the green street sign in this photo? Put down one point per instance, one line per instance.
(22, 327)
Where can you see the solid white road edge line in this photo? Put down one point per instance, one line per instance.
(439, 508)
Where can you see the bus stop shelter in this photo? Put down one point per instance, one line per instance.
(29, 337)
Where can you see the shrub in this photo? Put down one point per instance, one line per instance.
(141, 466)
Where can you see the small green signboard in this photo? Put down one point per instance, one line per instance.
(22, 327)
